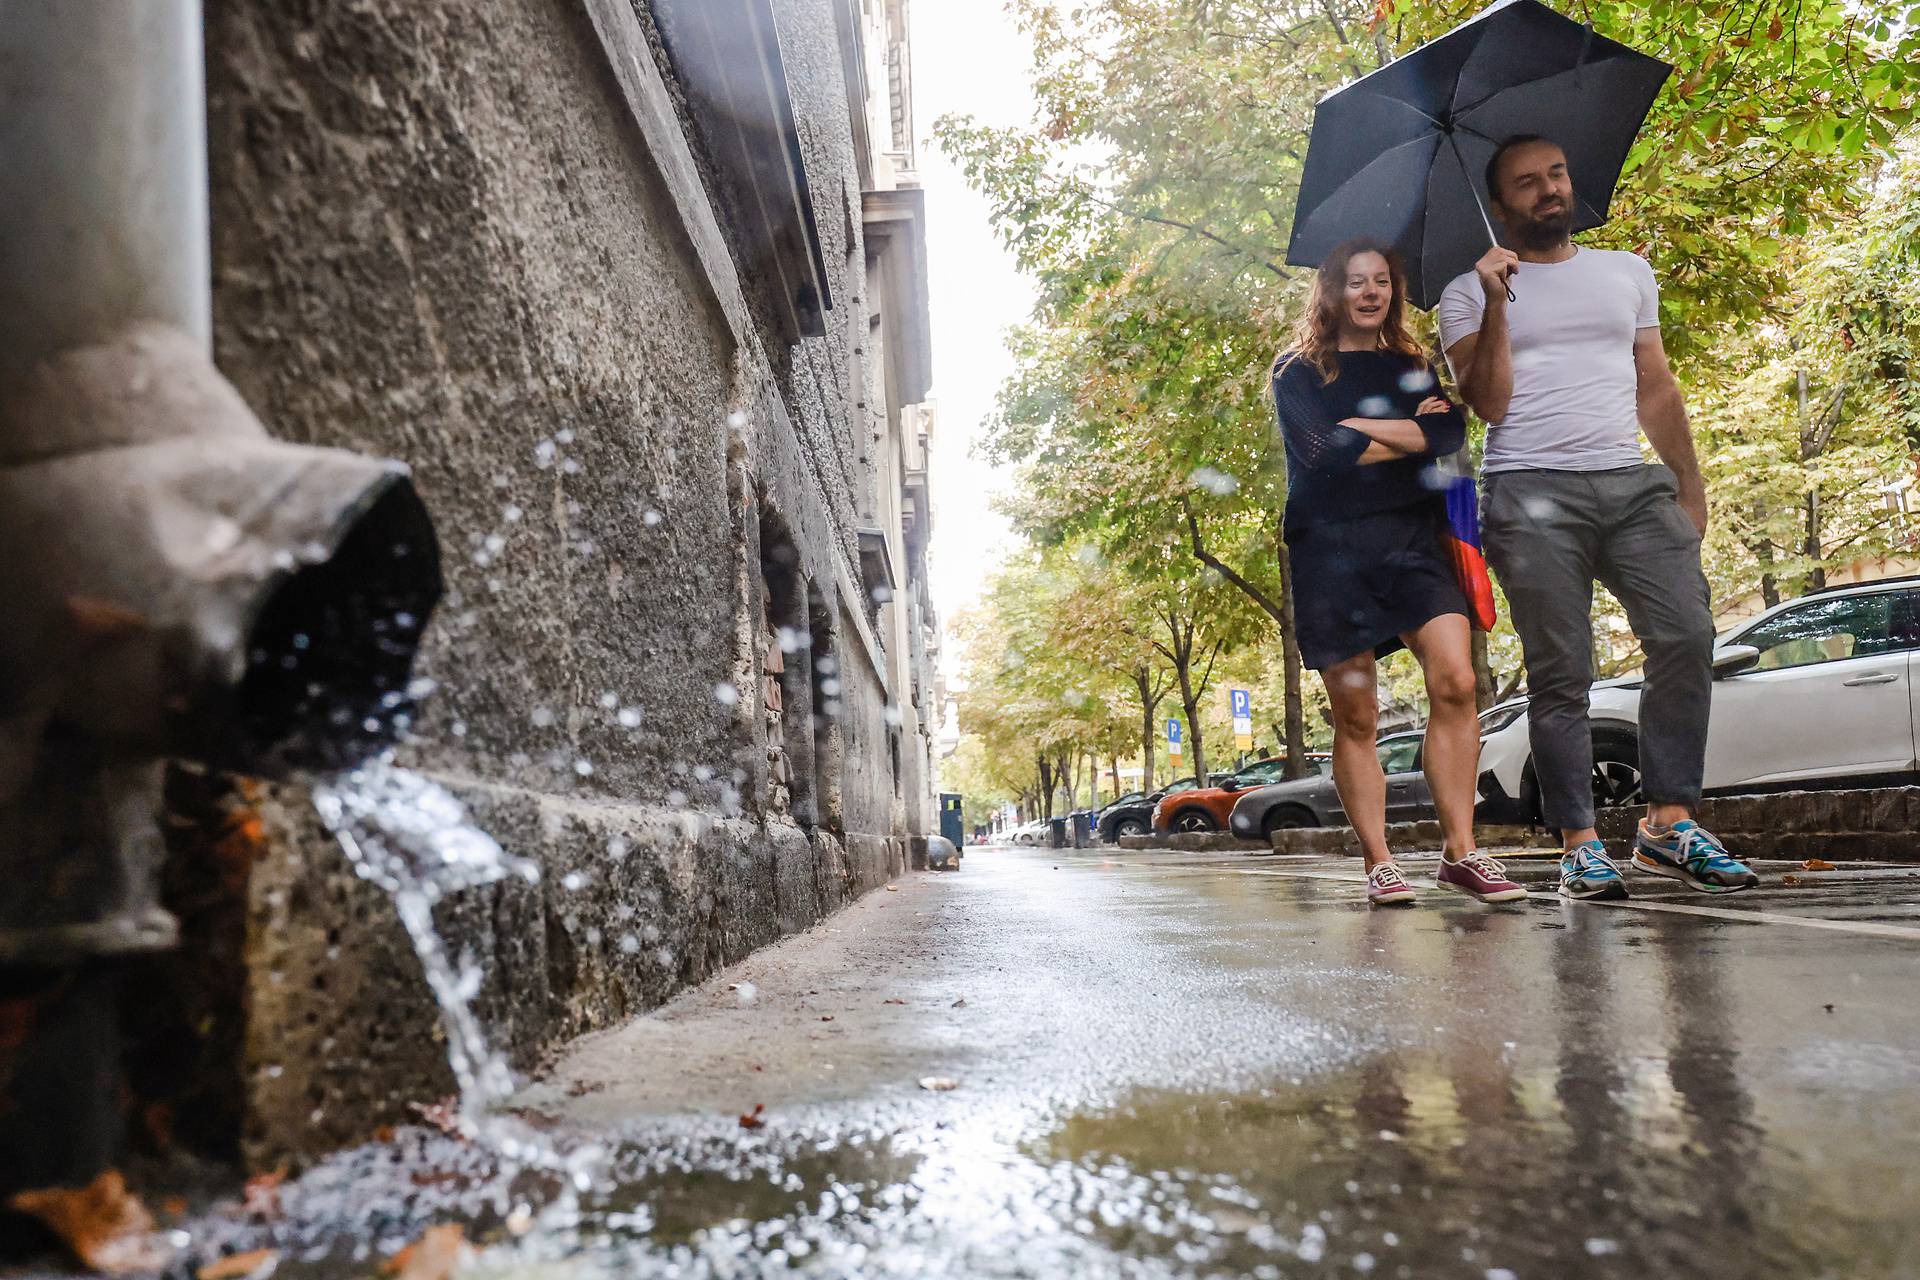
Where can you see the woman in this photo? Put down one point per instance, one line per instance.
(1362, 423)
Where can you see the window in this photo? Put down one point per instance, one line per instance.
(1265, 771)
(1398, 755)
(1824, 631)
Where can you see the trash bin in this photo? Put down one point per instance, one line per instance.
(950, 815)
(1057, 833)
(1083, 830)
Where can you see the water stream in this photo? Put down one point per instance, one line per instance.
(413, 839)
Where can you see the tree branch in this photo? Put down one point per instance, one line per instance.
(1273, 608)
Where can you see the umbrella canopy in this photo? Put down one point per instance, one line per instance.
(1400, 153)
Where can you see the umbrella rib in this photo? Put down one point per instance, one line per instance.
(1402, 102)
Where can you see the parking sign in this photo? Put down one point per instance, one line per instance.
(1242, 718)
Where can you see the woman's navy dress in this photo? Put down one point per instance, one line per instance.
(1368, 557)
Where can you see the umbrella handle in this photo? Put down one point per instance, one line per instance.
(1485, 221)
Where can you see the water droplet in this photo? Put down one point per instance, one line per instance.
(629, 944)
(223, 535)
(543, 454)
(573, 881)
(542, 717)
(725, 694)
(1214, 481)
(652, 517)
(571, 466)
(629, 717)
(495, 544)
(459, 728)
(583, 767)
(617, 848)
(609, 700)
(564, 435)
(677, 798)
(746, 993)
(511, 513)
(1416, 380)
(736, 419)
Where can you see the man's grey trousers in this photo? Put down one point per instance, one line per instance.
(1549, 535)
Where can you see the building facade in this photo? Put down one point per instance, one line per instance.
(638, 289)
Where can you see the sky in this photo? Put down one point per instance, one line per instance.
(967, 58)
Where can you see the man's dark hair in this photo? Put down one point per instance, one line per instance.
(1500, 153)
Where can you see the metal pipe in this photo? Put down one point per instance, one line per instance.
(103, 215)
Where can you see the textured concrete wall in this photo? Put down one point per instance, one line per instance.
(440, 236)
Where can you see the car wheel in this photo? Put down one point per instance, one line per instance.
(1190, 820)
(1616, 772)
(1616, 777)
(1287, 817)
(1129, 827)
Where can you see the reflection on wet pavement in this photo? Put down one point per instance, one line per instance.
(1176, 1067)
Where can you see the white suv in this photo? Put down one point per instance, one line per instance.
(1814, 691)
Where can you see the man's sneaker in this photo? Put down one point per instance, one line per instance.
(1386, 887)
(1689, 853)
(1587, 872)
(1478, 876)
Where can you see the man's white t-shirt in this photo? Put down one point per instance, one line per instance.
(1572, 325)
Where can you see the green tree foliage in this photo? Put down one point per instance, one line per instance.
(1152, 199)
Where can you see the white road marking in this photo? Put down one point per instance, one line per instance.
(1865, 928)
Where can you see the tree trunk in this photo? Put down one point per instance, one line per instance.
(1149, 714)
(1046, 789)
(1482, 672)
(1294, 740)
(1190, 703)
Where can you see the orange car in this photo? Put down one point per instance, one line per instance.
(1207, 808)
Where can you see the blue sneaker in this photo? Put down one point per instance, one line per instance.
(1689, 853)
(1587, 872)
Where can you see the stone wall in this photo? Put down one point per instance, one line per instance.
(450, 233)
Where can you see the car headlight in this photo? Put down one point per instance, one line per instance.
(1499, 718)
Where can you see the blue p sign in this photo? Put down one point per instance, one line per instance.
(1173, 731)
(1242, 704)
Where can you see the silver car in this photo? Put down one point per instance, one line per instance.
(1314, 802)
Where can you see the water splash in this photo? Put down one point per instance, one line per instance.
(413, 839)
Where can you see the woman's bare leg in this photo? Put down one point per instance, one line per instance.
(1351, 691)
(1444, 647)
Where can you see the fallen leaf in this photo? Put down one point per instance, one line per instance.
(1789, 880)
(443, 1115)
(893, 1002)
(939, 1084)
(105, 620)
(103, 1223)
(893, 888)
(826, 1017)
(961, 1003)
(174, 1206)
(755, 1119)
(383, 1134)
(261, 1196)
(1816, 864)
(257, 1264)
(436, 1255)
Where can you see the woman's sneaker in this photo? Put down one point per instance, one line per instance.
(1587, 872)
(1478, 876)
(1689, 853)
(1386, 887)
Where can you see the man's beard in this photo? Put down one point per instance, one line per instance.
(1546, 232)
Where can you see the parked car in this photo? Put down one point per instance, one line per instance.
(1313, 802)
(1029, 833)
(1134, 817)
(1206, 808)
(1817, 691)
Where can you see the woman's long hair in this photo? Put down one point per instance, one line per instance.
(1316, 336)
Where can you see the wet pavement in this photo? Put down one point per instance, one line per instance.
(1167, 1065)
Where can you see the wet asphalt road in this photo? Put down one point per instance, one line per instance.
(1172, 1064)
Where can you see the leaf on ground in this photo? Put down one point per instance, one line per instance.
(261, 1196)
(443, 1115)
(826, 1017)
(961, 1003)
(436, 1255)
(103, 1223)
(1789, 880)
(756, 1118)
(894, 1002)
(256, 1264)
(893, 888)
(939, 1084)
(1816, 864)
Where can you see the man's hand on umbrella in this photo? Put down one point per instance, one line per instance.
(1496, 266)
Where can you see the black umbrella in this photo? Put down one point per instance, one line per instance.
(1400, 153)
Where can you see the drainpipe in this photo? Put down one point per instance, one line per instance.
(177, 584)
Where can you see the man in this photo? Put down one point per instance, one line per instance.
(1567, 374)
